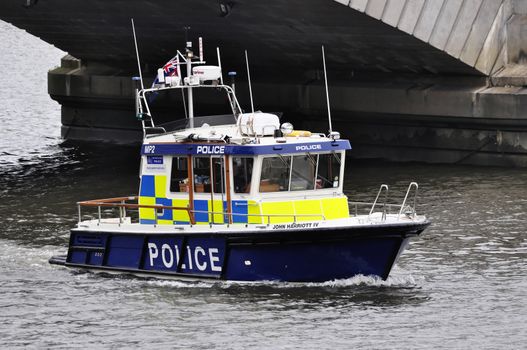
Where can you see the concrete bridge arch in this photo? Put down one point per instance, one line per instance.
(489, 35)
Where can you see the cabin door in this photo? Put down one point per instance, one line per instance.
(218, 190)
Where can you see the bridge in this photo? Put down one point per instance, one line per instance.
(432, 80)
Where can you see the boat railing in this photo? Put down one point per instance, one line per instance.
(383, 187)
(409, 210)
(213, 120)
(121, 203)
(364, 208)
(268, 217)
(401, 210)
(154, 130)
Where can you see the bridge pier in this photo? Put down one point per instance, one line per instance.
(95, 104)
(396, 117)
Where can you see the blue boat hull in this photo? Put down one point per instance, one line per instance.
(293, 256)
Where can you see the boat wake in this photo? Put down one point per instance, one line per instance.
(399, 279)
(30, 256)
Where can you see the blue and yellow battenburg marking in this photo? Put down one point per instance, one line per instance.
(154, 188)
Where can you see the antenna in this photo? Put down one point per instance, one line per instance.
(249, 81)
(188, 44)
(327, 92)
(137, 55)
(219, 64)
(188, 59)
(200, 41)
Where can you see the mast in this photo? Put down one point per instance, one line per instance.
(189, 54)
(190, 95)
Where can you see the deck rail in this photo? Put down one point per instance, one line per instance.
(364, 208)
(401, 210)
(122, 205)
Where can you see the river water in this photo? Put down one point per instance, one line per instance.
(463, 284)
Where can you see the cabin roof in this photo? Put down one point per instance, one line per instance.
(211, 140)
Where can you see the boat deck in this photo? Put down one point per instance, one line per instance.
(125, 225)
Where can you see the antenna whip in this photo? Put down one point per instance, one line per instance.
(137, 55)
(327, 92)
(249, 81)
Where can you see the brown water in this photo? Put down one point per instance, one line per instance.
(463, 284)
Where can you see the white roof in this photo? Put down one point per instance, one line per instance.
(213, 133)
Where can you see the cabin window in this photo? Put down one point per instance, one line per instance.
(303, 172)
(201, 167)
(243, 171)
(218, 177)
(179, 175)
(328, 175)
(300, 172)
(275, 174)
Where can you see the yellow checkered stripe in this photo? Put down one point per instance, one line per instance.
(154, 188)
(165, 217)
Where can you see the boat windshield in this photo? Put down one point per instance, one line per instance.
(300, 172)
(212, 120)
(275, 174)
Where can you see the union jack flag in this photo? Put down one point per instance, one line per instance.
(171, 69)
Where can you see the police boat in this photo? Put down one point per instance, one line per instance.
(238, 197)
